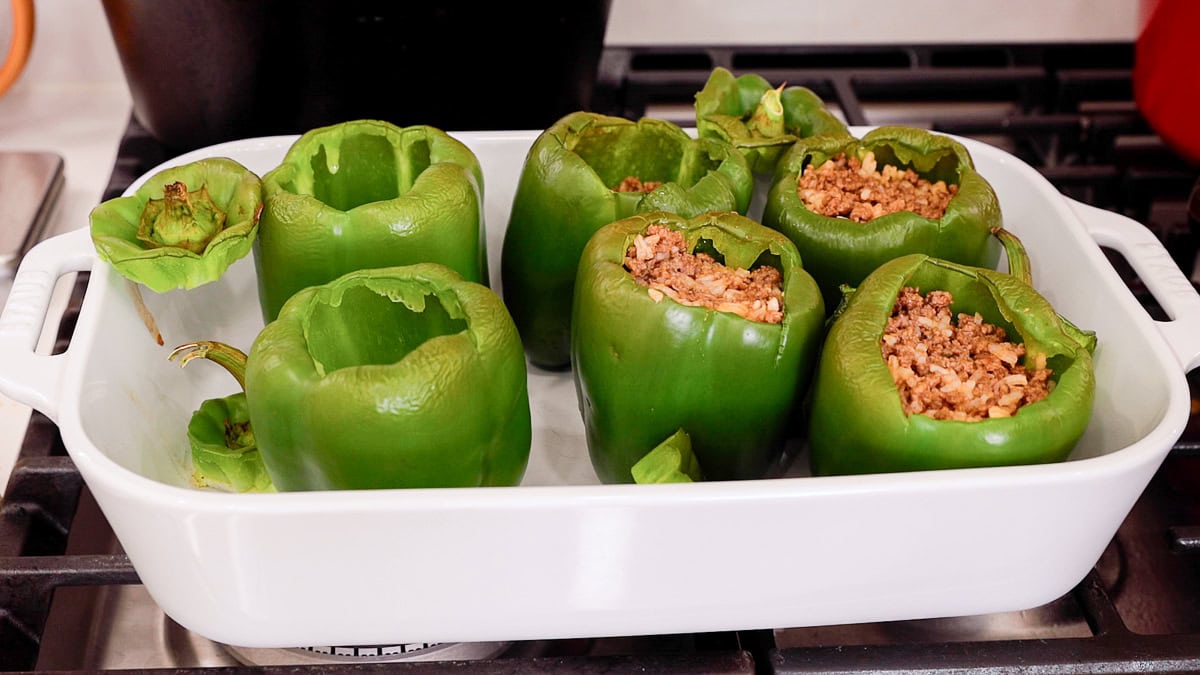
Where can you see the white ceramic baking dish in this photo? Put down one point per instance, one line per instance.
(561, 556)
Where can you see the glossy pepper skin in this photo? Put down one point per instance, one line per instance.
(367, 194)
(857, 422)
(644, 369)
(166, 244)
(565, 194)
(385, 378)
(224, 454)
(840, 251)
(732, 109)
(389, 378)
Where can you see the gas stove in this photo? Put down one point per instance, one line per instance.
(69, 599)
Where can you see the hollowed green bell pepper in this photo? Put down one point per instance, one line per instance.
(858, 424)
(644, 369)
(183, 227)
(840, 251)
(566, 193)
(366, 194)
(760, 121)
(224, 453)
(387, 378)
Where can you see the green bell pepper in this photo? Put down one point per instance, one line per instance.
(672, 461)
(566, 193)
(386, 378)
(760, 121)
(224, 454)
(645, 368)
(366, 194)
(183, 227)
(858, 424)
(840, 251)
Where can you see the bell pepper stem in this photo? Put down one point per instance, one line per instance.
(768, 116)
(231, 359)
(1018, 258)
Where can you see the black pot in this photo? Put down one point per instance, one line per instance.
(217, 70)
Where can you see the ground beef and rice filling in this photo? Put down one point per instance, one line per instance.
(659, 259)
(635, 184)
(964, 370)
(851, 188)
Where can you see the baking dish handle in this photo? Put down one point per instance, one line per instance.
(1157, 270)
(26, 376)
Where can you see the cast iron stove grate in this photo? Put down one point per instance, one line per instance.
(1065, 109)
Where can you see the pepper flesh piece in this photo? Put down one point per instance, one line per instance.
(180, 259)
(839, 251)
(389, 378)
(671, 461)
(566, 193)
(224, 453)
(645, 368)
(366, 194)
(858, 424)
(741, 111)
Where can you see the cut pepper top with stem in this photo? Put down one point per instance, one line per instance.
(183, 227)
(761, 121)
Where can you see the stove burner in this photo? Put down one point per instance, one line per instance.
(393, 653)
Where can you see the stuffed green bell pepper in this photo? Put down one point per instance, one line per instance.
(183, 227)
(762, 122)
(851, 204)
(709, 325)
(937, 365)
(224, 453)
(582, 173)
(366, 194)
(397, 377)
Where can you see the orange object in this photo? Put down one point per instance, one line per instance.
(1166, 74)
(22, 41)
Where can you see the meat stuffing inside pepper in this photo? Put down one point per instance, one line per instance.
(635, 184)
(846, 187)
(964, 370)
(659, 259)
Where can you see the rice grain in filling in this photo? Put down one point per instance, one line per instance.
(851, 188)
(956, 370)
(659, 259)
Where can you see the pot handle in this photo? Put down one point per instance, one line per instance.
(25, 376)
(1157, 270)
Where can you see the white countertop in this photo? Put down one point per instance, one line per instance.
(72, 98)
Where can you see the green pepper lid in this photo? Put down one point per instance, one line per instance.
(183, 227)
(224, 453)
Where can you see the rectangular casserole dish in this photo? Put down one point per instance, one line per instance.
(561, 556)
